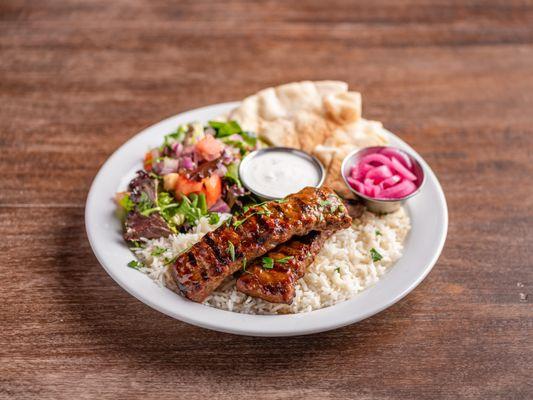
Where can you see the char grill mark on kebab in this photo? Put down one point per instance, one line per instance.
(289, 263)
(200, 270)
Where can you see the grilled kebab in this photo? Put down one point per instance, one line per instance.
(276, 283)
(201, 269)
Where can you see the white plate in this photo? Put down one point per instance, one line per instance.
(429, 219)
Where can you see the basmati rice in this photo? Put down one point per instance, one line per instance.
(343, 268)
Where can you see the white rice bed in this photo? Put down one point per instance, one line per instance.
(343, 268)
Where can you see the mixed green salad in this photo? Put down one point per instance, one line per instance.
(193, 174)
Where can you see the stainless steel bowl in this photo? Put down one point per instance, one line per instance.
(246, 160)
(382, 206)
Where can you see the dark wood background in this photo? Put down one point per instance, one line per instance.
(78, 78)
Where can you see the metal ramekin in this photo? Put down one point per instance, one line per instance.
(382, 206)
(246, 160)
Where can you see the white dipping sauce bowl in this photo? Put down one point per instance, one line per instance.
(254, 187)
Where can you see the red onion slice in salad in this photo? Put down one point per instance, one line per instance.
(220, 206)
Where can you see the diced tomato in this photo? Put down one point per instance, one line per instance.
(210, 186)
(148, 159)
(213, 189)
(209, 148)
(186, 186)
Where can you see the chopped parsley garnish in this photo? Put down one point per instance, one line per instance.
(284, 260)
(238, 223)
(231, 251)
(268, 263)
(324, 203)
(279, 201)
(158, 251)
(261, 209)
(136, 244)
(134, 264)
(328, 203)
(378, 233)
(214, 218)
(338, 270)
(173, 259)
(375, 255)
(265, 210)
(169, 260)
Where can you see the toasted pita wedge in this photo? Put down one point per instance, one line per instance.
(299, 114)
(322, 118)
(345, 139)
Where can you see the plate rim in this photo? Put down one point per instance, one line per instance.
(245, 326)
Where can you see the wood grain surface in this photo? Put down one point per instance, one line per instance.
(78, 78)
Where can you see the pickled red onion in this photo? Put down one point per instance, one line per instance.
(373, 190)
(375, 158)
(393, 180)
(397, 191)
(356, 184)
(379, 174)
(388, 174)
(401, 156)
(401, 170)
(359, 171)
(368, 182)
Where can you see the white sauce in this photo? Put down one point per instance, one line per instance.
(279, 173)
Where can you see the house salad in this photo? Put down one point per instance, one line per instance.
(193, 174)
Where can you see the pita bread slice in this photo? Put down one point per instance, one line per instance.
(322, 118)
(343, 141)
(343, 108)
(294, 114)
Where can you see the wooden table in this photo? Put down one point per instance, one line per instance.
(77, 79)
